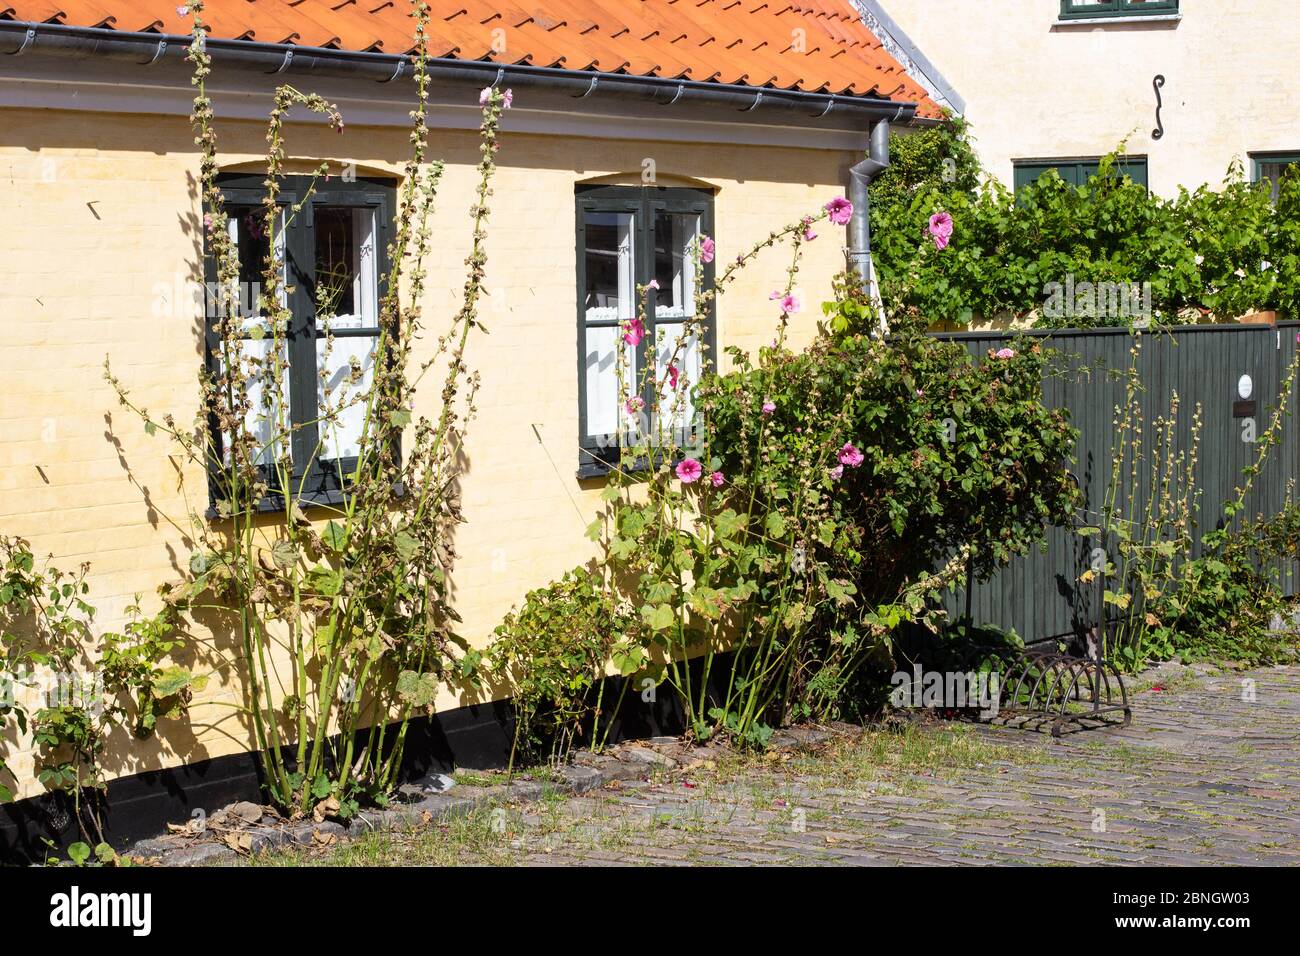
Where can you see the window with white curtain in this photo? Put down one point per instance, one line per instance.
(334, 254)
(637, 241)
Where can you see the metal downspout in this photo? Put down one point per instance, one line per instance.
(859, 248)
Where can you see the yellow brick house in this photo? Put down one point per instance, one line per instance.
(633, 121)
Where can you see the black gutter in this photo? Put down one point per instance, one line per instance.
(18, 38)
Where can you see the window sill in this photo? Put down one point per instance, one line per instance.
(1136, 19)
(275, 504)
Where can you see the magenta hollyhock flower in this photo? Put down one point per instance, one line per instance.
(790, 304)
(689, 470)
(840, 211)
(769, 408)
(941, 229)
(849, 455)
(634, 404)
(1005, 353)
(672, 376)
(707, 249)
(633, 331)
(809, 235)
(717, 479)
(837, 472)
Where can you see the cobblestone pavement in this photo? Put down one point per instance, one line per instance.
(1205, 775)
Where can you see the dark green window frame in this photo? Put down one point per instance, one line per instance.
(1076, 172)
(1259, 160)
(599, 453)
(321, 480)
(1077, 10)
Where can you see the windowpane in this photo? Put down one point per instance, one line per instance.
(341, 392)
(1273, 171)
(675, 235)
(674, 264)
(346, 294)
(247, 230)
(609, 299)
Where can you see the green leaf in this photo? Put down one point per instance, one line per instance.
(171, 681)
(661, 617)
(335, 537)
(400, 417)
(406, 544)
(416, 689)
(79, 853)
(284, 554)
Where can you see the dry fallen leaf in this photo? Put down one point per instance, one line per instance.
(239, 842)
(325, 839)
(327, 807)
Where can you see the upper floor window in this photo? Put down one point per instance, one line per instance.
(1271, 167)
(637, 242)
(1076, 172)
(1088, 9)
(333, 252)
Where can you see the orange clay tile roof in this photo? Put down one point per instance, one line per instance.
(816, 46)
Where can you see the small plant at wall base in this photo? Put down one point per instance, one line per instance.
(67, 688)
(343, 627)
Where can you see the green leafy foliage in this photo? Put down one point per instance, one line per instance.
(1207, 253)
(552, 653)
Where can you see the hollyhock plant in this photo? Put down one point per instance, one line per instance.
(849, 455)
(840, 211)
(707, 249)
(769, 408)
(689, 470)
(717, 479)
(790, 304)
(633, 331)
(941, 229)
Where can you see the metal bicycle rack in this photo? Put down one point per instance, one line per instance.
(1078, 692)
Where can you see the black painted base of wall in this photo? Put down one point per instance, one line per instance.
(140, 806)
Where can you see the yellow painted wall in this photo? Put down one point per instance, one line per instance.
(1034, 89)
(99, 215)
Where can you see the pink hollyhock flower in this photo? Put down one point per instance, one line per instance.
(507, 99)
(840, 210)
(717, 479)
(633, 331)
(849, 455)
(775, 294)
(484, 96)
(1005, 353)
(837, 472)
(634, 404)
(707, 249)
(672, 376)
(207, 224)
(182, 11)
(689, 470)
(653, 284)
(769, 408)
(809, 235)
(941, 229)
(919, 393)
(790, 304)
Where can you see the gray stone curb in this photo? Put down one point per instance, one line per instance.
(594, 772)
